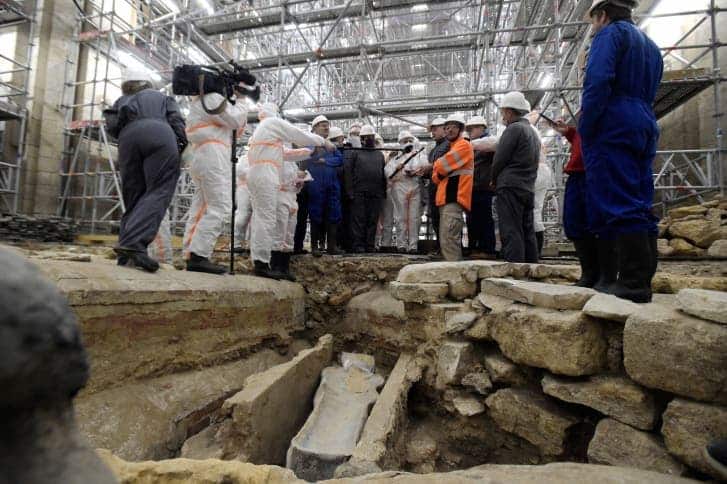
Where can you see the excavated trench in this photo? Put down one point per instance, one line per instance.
(207, 368)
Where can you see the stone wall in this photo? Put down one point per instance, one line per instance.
(577, 374)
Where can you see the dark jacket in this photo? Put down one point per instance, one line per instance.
(483, 170)
(515, 164)
(146, 104)
(364, 173)
(439, 150)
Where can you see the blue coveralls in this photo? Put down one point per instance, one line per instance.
(619, 131)
(324, 192)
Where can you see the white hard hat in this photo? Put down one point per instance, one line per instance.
(438, 121)
(268, 110)
(630, 4)
(515, 100)
(355, 125)
(455, 118)
(318, 119)
(404, 134)
(476, 121)
(137, 75)
(335, 132)
(367, 130)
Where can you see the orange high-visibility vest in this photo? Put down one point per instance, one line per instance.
(453, 174)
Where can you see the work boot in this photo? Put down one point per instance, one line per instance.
(263, 269)
(715, 453)
(635, 268)
(607, 257)
(333, 240)
(316, 234)
(587, 252)
(285, 266)
(654, 255)
(197, 263)
(135, 259)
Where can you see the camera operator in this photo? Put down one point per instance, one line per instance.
(150, 130)
(210, 135)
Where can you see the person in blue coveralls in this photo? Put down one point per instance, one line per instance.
(324, 194)
(619, 139)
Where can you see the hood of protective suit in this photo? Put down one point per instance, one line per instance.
(268, 110)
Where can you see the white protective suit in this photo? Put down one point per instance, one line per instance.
(407, 198)
(210, 170)
(544, 182)
(290, 185)
(385, 225)
(263, 179)
(161, 247)
(244, 209)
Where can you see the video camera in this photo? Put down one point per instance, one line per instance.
(197, 80)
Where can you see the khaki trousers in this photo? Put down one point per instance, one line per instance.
(451, 222)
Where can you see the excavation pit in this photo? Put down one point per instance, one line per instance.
(476, 372)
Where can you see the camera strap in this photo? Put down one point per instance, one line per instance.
(219, 109)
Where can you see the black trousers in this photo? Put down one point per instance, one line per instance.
(150, 167)
(540, 238)
(433, 209)
(365, 211)
(480, 224)
(515, 219)
(301, 226)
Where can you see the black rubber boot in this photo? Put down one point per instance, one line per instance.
(333, 240)
(197, 263)
(285, 266)
(653, 245)
(316, 234)
(587, 252)
(635, 268)
(607, 257)
(263, 269)
(135, 259)
(715, 453)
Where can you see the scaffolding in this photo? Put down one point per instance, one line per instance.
(397, 64)
(16, 20)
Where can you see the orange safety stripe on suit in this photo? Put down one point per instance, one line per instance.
(272, 144)
(458, 162)
(197, 218)
(211, 142)
(275, 163)
(199, 126)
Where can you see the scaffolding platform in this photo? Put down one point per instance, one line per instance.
(9, 111)
(678, 87)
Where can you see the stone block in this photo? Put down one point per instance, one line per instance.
(459, 321)
(479, 382)
(502, 370)
(152, 418)
(381, 445)
(689, 426)
(564, 342)
(709, 305)
(468, 405)
(684, 248)
(419, 293)
(461, 289)
(667, 283)
(718, 249)
(606, 306)
(681, 212)
(615, 396)
(342, 402)
(539, 294)
(617, 444)
(138, 325)
(533, 417)
(671, 351)
(437, 272)
(700, 232)
(454, 358)
(663, 248)
(272, 406)
(551, 271)
(491, 307)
